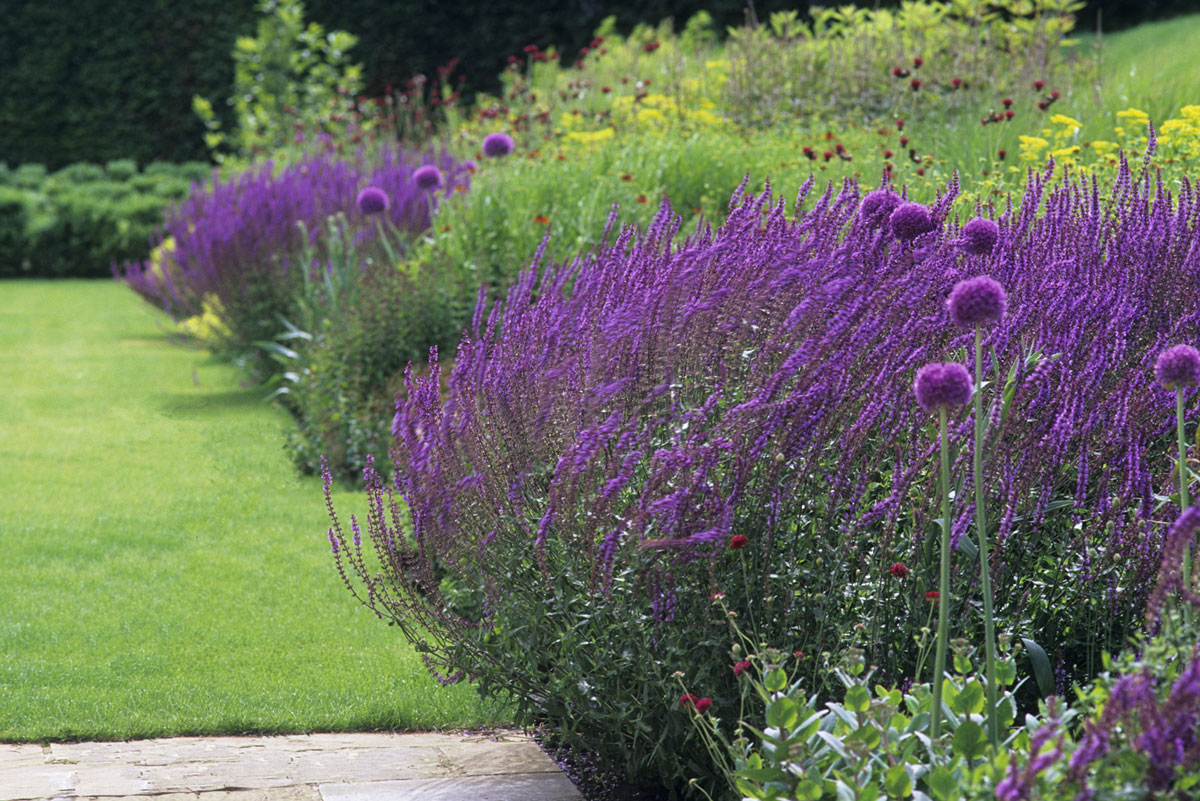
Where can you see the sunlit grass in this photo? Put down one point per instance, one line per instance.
(164, 571)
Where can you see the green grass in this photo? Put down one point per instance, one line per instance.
(1154, 67)
(164, 570)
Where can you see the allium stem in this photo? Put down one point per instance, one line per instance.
(939, 661)
(1184, 503)
(985, 578)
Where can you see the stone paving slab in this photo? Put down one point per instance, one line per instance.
(506, 766)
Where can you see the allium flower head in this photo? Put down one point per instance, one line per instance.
(910, 220)
(427, 177)
(372, 200)
(942, 385)
(1178, 366)
(878, 206)
(979, 236)
(497, 144)
(976, 301)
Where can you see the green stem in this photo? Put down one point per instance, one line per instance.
(939, 662)
(985, 578)
(1184, 503)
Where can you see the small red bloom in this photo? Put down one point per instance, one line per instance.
(626, 177)
(459, 188)
(920, 170)
(1055, 95)
(1039, 85)
(956, 83)
(1001, 154)
(642, 199)
(899, 570)
(541, 219)
(918, 61)
(827, 155)
(839, 147)
(829, 134)
(561, 157)
(899, 125)
(445, 228)
(737, 542)
(531, 48)
(1008, 115)
(915, 84)
(904, 141)
(687, 700)
(650, 47)
(887, 154)
(740, 667)
(798, 654)
(1043, 105)
(900, 72)
(703, 704)
(1007, 102)
(932, 596)
(606, 89)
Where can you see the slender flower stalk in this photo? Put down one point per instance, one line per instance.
(1176, 368)
(940, 386)
(974, 303)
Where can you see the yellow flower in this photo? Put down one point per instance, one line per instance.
(1103, 147)
(591, 137)
(209, 325)
(1031, 147)
(1134, 115)
(1063, 119)
(1063, 152)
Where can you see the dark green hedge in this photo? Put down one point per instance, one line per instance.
(87, 81)
(81, 220)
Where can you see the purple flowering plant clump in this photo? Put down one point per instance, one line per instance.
(611, 424)
(238, 239)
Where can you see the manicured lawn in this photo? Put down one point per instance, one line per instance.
(164, 570)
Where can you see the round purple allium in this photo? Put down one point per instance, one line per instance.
(877, 206)
(372, 200)
(979, 236)
(469, 166)
(939, 385)
(427, 177)
(977, 301)
(910, 220)
(497, 144)
(1178, 366)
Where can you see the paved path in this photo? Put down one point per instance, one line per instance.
(506, 766)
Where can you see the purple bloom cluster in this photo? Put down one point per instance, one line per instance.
(942, 385)
(979, 236)
(1178, 366)
(977, 301)
(659, 396)
(497, 144)
(236, 238)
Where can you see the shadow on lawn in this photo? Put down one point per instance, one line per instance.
(200, 402)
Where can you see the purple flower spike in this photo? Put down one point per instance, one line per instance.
(1178, 367)
(976, 301)
(979, 236)
(910, 220)
(878, 206)
(497, 144)
(427, 177)
(942, 385)
(372, 200)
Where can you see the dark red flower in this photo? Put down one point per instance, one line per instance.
(1001, 154)
(1039, 85)
(920, 170)
(904, 141)
(740, 667)
(956, 83)
(899, 72)
(1008, 115)
(703, 704)
(899, 125)
(650, 47)
(541, 219)
(737, 542)
(899, 570)
(887, 154)
(1055, 95)
(606, 89)
(687, 700)
(827, 155)
(1007, 102)
(932, 596)
(531, 48)
(626, 177)
(915, 84)
(918, 61)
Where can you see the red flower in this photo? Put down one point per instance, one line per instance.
(703, 704)
(1055, 95)
(839, 147)
(904, 141)
(642, 199)
(956, 83)
(737, 542)
(459, 188)
(541, 219)
(920, 170)
(687, 700)
(531, 48)
(915, 84)
(918, 61)
(798, 654)
(1002, 154)
(1007, 102)
(899, 570)
(899, 125)
(626, 177)
(827, 155)
(606, 89)
(829, 134)
(900, 72)
(1008, 115)
(887, 154)
(1039, 85)
(1043, 105)
(650, 47)
(740, 667)
(932, 596)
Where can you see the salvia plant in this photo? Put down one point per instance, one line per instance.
(241, 240)
(665, 417)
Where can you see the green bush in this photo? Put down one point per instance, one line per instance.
(121, 169)
(29, 176)
(14, 222)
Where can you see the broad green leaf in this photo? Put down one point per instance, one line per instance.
(858, 698)
(776, 680)
(783, 713)
(942, 784)
(969, 740)
(897, 783)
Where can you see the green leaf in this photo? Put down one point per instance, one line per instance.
(808, 790)
(776, 680)
(783, 713)
(942, 784)
(970, 700)
(1042, 671)
(969, 740)
(897, 783)
(858, 698)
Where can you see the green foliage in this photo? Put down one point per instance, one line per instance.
(288, 73)
(82, 219)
